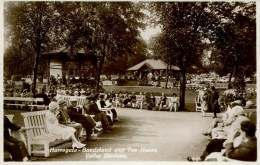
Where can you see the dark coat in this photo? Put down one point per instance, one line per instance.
(247, 151)
(9, 125)
(91, 108)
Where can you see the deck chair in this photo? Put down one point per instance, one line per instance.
(198, 105)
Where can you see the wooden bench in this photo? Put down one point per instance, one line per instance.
(107, 83)
(25, 101)
(39, 140)
(80, 102)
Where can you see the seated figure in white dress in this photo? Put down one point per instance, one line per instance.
(174, 104)
(53, 126)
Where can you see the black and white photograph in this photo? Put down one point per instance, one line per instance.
(129, 81)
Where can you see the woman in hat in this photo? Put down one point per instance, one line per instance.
(53, 126)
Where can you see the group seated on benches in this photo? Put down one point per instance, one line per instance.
(147, 101)
(232, 136)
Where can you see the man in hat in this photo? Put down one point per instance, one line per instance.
(91, 108)
(76, 115)
(213, 101)
(64, 117)
(41, 94)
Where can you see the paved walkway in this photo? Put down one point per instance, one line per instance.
(143, 135)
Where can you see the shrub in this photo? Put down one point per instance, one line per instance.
(239, 84)
(16, 77)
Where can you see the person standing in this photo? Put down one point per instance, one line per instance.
(213, 101)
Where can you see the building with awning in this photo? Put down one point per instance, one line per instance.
(152, 64)
(64, 61)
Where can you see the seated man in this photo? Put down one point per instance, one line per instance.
(75, 114)
(14, 146)
(247, 150)
(90, 107)
(41, 94)
(133, 99)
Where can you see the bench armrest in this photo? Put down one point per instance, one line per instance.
(26, 128)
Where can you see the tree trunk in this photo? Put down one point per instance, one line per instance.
(182, 90)
(35, 70)
(233, 73)
(166, 76)
(99, 69)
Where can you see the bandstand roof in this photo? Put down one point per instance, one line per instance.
(152, 64)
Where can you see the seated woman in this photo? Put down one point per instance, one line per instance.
(126, 99)
(216, 145)
(174, 104)
(102, 103)
(14, 146)
(53, 126)
(162, 101)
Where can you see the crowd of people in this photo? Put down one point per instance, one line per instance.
(233, 131)
(233, 136)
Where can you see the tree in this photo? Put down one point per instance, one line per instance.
(108, 30)
(184, 28)
(33, 23)
(235, 35)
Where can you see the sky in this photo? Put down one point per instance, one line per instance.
(149, 32)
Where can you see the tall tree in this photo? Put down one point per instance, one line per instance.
(33, 23)
(107, 30)
(184, 29)
(235, 34)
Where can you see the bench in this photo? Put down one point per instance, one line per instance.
(80, 102)
(25, 101)
(38, 139)
(107, 83)
(168, 101)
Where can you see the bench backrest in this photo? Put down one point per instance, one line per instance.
(36, 121)
(18, 99)
(81, 99)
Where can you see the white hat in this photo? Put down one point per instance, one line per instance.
(249, 104)
(53, 105)
(238, 110)
(61, 101)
